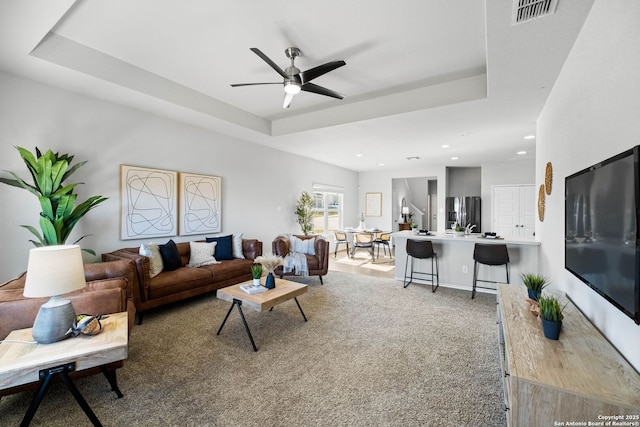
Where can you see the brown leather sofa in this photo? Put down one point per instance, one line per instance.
(184, 282)
(108, 290)
(318, 264)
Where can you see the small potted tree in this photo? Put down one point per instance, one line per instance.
(551, 316)
(535, 284)
(304, 211)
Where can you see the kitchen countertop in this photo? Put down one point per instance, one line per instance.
(468, 238)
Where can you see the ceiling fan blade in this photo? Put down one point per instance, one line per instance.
(314, 72)
(310, 87)
(266, 59)
(288, 97)
(254, 84)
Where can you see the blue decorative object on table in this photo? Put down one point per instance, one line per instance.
(270, 282)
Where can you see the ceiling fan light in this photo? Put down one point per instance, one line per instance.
(292, 88)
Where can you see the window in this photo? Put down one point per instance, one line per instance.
(328, 209)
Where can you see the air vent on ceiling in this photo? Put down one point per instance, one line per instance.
(528, 10)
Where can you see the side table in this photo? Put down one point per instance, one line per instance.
(23, 363)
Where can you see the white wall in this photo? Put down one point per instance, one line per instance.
(592, 114)
(381, 181)
(260, 186)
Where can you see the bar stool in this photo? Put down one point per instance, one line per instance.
(488, 255)
(341, 237)
(421, 249)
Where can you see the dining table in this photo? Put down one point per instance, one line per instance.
(351, 236)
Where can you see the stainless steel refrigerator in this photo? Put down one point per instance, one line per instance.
(464, 210)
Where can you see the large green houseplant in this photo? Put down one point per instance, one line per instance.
(304, 211)
(60, 214)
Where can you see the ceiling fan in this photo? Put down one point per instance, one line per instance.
(296, 80)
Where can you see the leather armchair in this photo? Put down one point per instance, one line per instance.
(318, 264)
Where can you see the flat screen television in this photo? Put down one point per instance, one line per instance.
(602, 220)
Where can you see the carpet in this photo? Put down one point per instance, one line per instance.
(371, 354)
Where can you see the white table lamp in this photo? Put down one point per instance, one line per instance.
(51, 272)
(405, 212)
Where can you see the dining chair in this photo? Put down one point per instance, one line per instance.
(363, 241)
(383, 239)
(341, 237)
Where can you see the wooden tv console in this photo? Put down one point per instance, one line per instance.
(581, 379)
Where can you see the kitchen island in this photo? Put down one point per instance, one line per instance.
(455, 258)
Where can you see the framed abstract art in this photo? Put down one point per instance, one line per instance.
(373, 204)
(200, 204)
(148, 203)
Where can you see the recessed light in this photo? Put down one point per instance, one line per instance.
(358, 155)
(380, 164)
(530, 137)
(445, 146)
(520, 153)
(454, 158)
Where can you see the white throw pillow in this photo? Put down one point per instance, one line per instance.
(202, 254)
(237, 246)
(302, 246)
(152, 251)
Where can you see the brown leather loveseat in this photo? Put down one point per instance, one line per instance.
(184, 282)
(317, 263)
(109, 290)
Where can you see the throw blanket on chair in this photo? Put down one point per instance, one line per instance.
(296, 262)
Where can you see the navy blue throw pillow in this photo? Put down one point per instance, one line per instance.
(224, 248)
(170, 256)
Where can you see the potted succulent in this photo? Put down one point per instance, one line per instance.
(535, 284)
(256, 274)
(551, 316)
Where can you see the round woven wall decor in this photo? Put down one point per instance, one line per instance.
(541, 203)
(548, 177)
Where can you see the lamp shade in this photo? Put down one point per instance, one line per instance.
(54, 270)
(405, 210)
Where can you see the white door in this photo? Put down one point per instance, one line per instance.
(528, 210)
(513, 210)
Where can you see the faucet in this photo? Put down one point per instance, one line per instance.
(469, 228)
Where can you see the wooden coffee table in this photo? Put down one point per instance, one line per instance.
(23, 363)
(284, 291)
